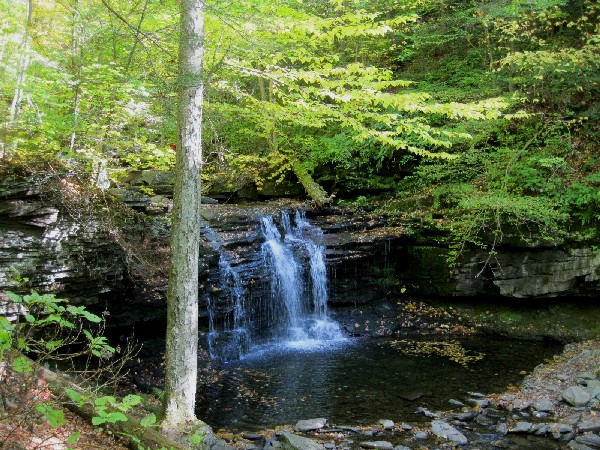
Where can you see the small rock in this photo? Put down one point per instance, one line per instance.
(426, 412)
(476, 394)
(252, 436)
(562, 377)
(519, 405)
(543, 404)
(406, 427)
(310, 424)
(456, 402)
(576, 396)
(521, 427)
(585, 375)
(379, 445)
(478, 402)
(593, 388)
(539, 429)
(589, 425)
(329, 446)
(592, 440)
(387, 424)
(498, 443)
(350, 428)
(295, 442)
(222, 446)
(401, 447)
(445, 430)
(465, 416)
(573, 445)
(421, 435)
(502, 428)
(271, 444)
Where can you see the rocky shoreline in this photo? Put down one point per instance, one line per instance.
(556, 407)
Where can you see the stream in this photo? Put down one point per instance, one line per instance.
(359, 381)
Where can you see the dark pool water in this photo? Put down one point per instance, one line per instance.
(360, 381)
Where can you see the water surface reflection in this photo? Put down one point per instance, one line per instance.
(360, 381)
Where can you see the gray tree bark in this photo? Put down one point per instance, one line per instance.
(15, 106)
(182, 294)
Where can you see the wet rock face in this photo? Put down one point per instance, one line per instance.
(512, 272)
(358, 255)
(44, 249)
(366, 259)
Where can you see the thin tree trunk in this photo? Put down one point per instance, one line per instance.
(182, 295)
(76, 62)
(137, 37)
(15, 106)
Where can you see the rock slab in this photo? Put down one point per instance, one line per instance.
(292, 441)
(576, 396)
(378, 445)
(310, 424)
(444, 430)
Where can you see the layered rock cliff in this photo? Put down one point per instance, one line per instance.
(50, 247)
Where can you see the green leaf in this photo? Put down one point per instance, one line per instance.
(106, 400)
(116, 417)
(148, 420)
(6, 324)
(98, 420)
(129, 401)
(55, 417)
(75, 396)
(22, 365)
(74, 437)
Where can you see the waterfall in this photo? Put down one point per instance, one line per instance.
(292, 311)
(299, 291)
(230, 339)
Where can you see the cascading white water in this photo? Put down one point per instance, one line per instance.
(231, 339)
(286, 282)
(292, 264)
(304, 320)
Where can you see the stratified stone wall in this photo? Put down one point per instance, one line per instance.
(46, 250)
(510, 272)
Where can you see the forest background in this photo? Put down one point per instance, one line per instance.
(472, 119)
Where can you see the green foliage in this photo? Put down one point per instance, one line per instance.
(108, 410)
(483, 115)
(55, 417)
(48, 328)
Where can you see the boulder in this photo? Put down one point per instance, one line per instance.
(593, 388)
(590, 439)
(446, 431)
(574, 445)
(387, 424)
(291, 441)
(310, 424)
(378, 445)
(589, 425)
(521, 427)
(576, 396)
(543, 404)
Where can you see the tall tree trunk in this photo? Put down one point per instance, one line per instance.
(182, 294)
(15, 106)
(76, 64)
